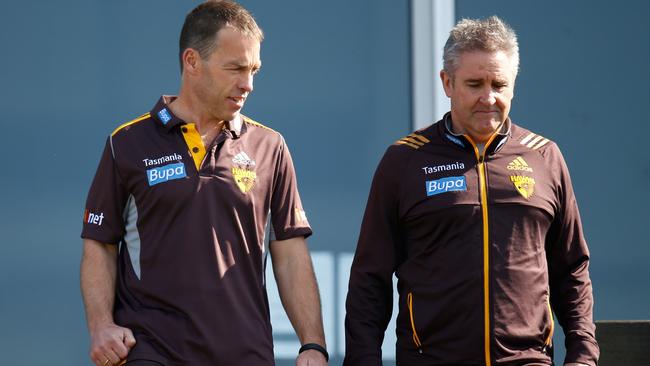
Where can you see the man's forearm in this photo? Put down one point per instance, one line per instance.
(98, 271)
(298, 289)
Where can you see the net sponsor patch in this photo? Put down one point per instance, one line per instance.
(166, 173)
(448, 184)
(93, 218)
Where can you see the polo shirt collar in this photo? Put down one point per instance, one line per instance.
(164, 115)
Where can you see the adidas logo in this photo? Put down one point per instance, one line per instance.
(519, 164)
(243, 159)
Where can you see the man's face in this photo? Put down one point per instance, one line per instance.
(481, 89)
(225, 78)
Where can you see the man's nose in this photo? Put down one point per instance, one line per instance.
(488, 96)
(246, 82)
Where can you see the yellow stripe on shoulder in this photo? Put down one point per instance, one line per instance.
(255, 123)
(141, 118)
(407, 143)
(413, 140)
(534, 141)
(420, 137)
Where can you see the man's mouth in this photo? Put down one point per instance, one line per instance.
(238, 100)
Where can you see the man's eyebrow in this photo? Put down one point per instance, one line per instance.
(240, 64)
(235, 63)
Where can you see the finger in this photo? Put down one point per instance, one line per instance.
(99, 360)
(117, 347)
(103, 361)
(101, 357)
(97, 357)
(113, 358)
(129, 339)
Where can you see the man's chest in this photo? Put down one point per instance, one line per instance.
(439, 181)
(166, 172)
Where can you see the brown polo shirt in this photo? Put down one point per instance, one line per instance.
(191, 224)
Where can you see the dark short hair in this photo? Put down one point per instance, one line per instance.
(204, 22)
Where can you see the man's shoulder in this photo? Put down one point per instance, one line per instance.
(261, 133)
(125, 129)
(415, 140)
(258, 127)
(406, 149)
(531, 140)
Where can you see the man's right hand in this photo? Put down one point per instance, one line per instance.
(110, 344)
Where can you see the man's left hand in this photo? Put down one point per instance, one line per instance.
(311, 357)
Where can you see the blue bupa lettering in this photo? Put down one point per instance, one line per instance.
(443, 185)
(164, 116)
(166, 173)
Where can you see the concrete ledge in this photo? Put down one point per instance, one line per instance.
(623, 342)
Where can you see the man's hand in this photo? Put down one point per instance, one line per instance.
(110, 344)
(575, 364)
(311, 357)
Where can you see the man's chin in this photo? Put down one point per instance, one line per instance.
(229, 116)
(487, 127)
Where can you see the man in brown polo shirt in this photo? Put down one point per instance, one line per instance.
(179, 213)
(477, 218)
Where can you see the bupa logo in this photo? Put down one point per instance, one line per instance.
(93, 218)
(166, 173)
(443, 185)
(164, 116)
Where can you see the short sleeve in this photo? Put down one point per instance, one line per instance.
(103, 215)
(288, 217)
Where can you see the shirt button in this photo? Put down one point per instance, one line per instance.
(184, 129)
(195, 149)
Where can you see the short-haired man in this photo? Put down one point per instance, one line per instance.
(176, 219)
(477, 218)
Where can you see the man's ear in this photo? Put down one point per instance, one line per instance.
(446, 82)
(191, 60)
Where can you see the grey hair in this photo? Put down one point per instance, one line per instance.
(489, 35)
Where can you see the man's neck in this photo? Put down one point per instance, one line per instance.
(480, 143)
(189, 109)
